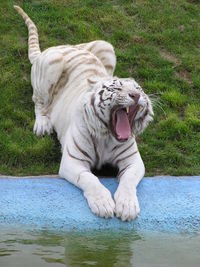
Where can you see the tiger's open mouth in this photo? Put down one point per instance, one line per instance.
(122, 120)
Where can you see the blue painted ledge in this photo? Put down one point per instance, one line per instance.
(168, 204)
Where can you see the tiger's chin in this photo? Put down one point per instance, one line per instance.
(122, 119)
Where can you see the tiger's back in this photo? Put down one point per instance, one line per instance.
(66, 66)
(60, 75)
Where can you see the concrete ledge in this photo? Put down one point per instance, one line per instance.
(168, 204)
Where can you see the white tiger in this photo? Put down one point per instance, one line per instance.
(96, 117)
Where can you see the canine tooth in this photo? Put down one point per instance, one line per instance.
(140, 108)
(127, 110)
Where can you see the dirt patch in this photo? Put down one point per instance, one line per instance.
(184, 74)
(168, 56)
(138, 39)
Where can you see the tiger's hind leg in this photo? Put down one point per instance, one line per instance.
(104, 51)
(45, 76)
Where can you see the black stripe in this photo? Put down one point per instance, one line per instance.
(117, 146)
(97, 115)
(145, 114)
(72, 156)
(82, 151)
(79, 177)
(101, 97)
(123, 151)
(126, 157)
(122, 171)
(95, 148)
(102, 111)
(99, 105)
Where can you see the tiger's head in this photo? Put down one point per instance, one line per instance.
(121, 107)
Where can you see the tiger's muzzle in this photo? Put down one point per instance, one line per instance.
(122, 118)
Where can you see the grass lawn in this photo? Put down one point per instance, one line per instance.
(156, 42)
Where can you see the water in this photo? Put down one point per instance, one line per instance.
(25, 248)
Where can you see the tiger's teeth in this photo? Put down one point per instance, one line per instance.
(140, 108)
(127, 110)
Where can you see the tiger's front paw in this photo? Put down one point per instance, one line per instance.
(101, 202)
(42, 126)
(126, 204)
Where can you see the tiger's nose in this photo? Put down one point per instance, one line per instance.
(135, 97)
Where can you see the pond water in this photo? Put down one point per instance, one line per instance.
(26, 248)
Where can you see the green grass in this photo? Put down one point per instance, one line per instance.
(156, 42)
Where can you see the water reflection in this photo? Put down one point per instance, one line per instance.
(69, 249)
(45, 249)
(99, 249)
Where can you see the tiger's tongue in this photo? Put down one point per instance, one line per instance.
(122, 126)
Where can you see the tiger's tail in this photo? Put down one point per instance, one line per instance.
(33, 40)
